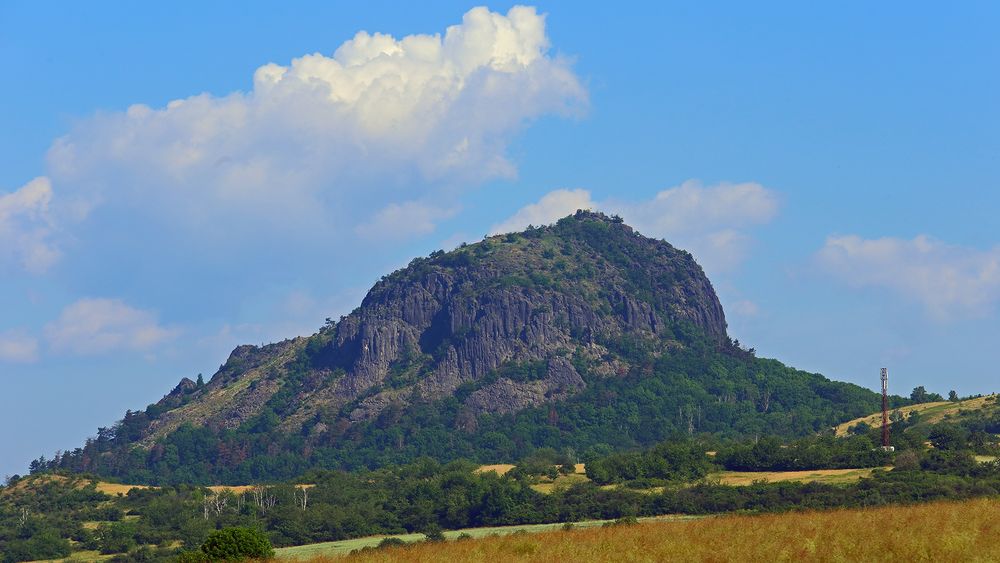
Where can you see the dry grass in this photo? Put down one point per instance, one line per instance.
(832, 476)
(942, 531)
(561, 481)
(115, 489)
(929, 412)
(240, 489)
(739, 478)
(498, 468)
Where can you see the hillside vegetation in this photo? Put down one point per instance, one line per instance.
(929, 413)
(583, 336)
(941, 531)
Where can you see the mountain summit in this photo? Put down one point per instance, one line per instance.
(579, 334)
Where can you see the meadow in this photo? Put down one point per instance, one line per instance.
(929, 412)
(939, 531)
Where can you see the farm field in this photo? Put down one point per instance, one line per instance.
(736, 478)
(940, 531)
(344, 547)
(829, 476)
(929, 412)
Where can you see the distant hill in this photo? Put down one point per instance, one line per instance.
(929, 413)
(582, 336)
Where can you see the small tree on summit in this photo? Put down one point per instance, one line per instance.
(201, 381)
(919, 394)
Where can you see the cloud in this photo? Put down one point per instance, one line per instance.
(948, 280)
(379, 121)
(95, 326)
(17, 346)
(709, 221)
(744, 308)
(401, 220)
(26, 227)
(553, 206)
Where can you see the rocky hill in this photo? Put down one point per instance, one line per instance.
(581, 334)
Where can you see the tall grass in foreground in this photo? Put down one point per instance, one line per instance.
(940, 531)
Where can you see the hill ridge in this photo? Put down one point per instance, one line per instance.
(582, 334)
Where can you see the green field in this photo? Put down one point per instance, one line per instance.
(346, 546)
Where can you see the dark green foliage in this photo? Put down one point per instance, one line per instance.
(695, 389)
(681, 379)
(949, 437)
(622, 521)
(920, 395)
(768, 454)
(115, 538)
(44, 543)
(237, 544)
(391, 542)
(433, 533)
(670, 461)
(39, 516)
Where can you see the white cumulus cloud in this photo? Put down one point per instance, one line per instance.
(948, 280)
(343, 134)
(552, 207)
(17, 346)
(94, 326)
(26, 227)
(708, 221)
(399, 220)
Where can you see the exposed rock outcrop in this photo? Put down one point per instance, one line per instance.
(455, 318)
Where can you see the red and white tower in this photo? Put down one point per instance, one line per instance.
(885, 408)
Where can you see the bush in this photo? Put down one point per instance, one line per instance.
(390, 542)
(623, 521)
(237, 544)
(434, 534)
(193, 557)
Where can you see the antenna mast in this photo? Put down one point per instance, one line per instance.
(885, 409)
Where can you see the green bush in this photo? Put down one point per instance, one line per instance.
(390, 542)
(433, 533)
(237, 544)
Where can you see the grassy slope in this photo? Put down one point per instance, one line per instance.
(942, 531)
(306, 552)
(829, 476)
(929, 412)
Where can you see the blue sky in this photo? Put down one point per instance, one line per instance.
(833, 168)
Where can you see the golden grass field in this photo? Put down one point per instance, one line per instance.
(739, 478)
(930, 412)
(829, 476)
(940, 531)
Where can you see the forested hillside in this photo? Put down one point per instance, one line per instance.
(583, 336)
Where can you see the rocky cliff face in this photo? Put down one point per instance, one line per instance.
(500, 317)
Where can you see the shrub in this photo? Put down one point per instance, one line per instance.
(623, 521)
(434, 533)
(390, 542)
(237, 544)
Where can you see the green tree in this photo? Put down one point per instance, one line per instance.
(919, 394)
(237, 544)
(953, 396)
(117, 537)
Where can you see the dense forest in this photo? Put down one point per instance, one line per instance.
(696, 390)
(44, 515)
(583, 336)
